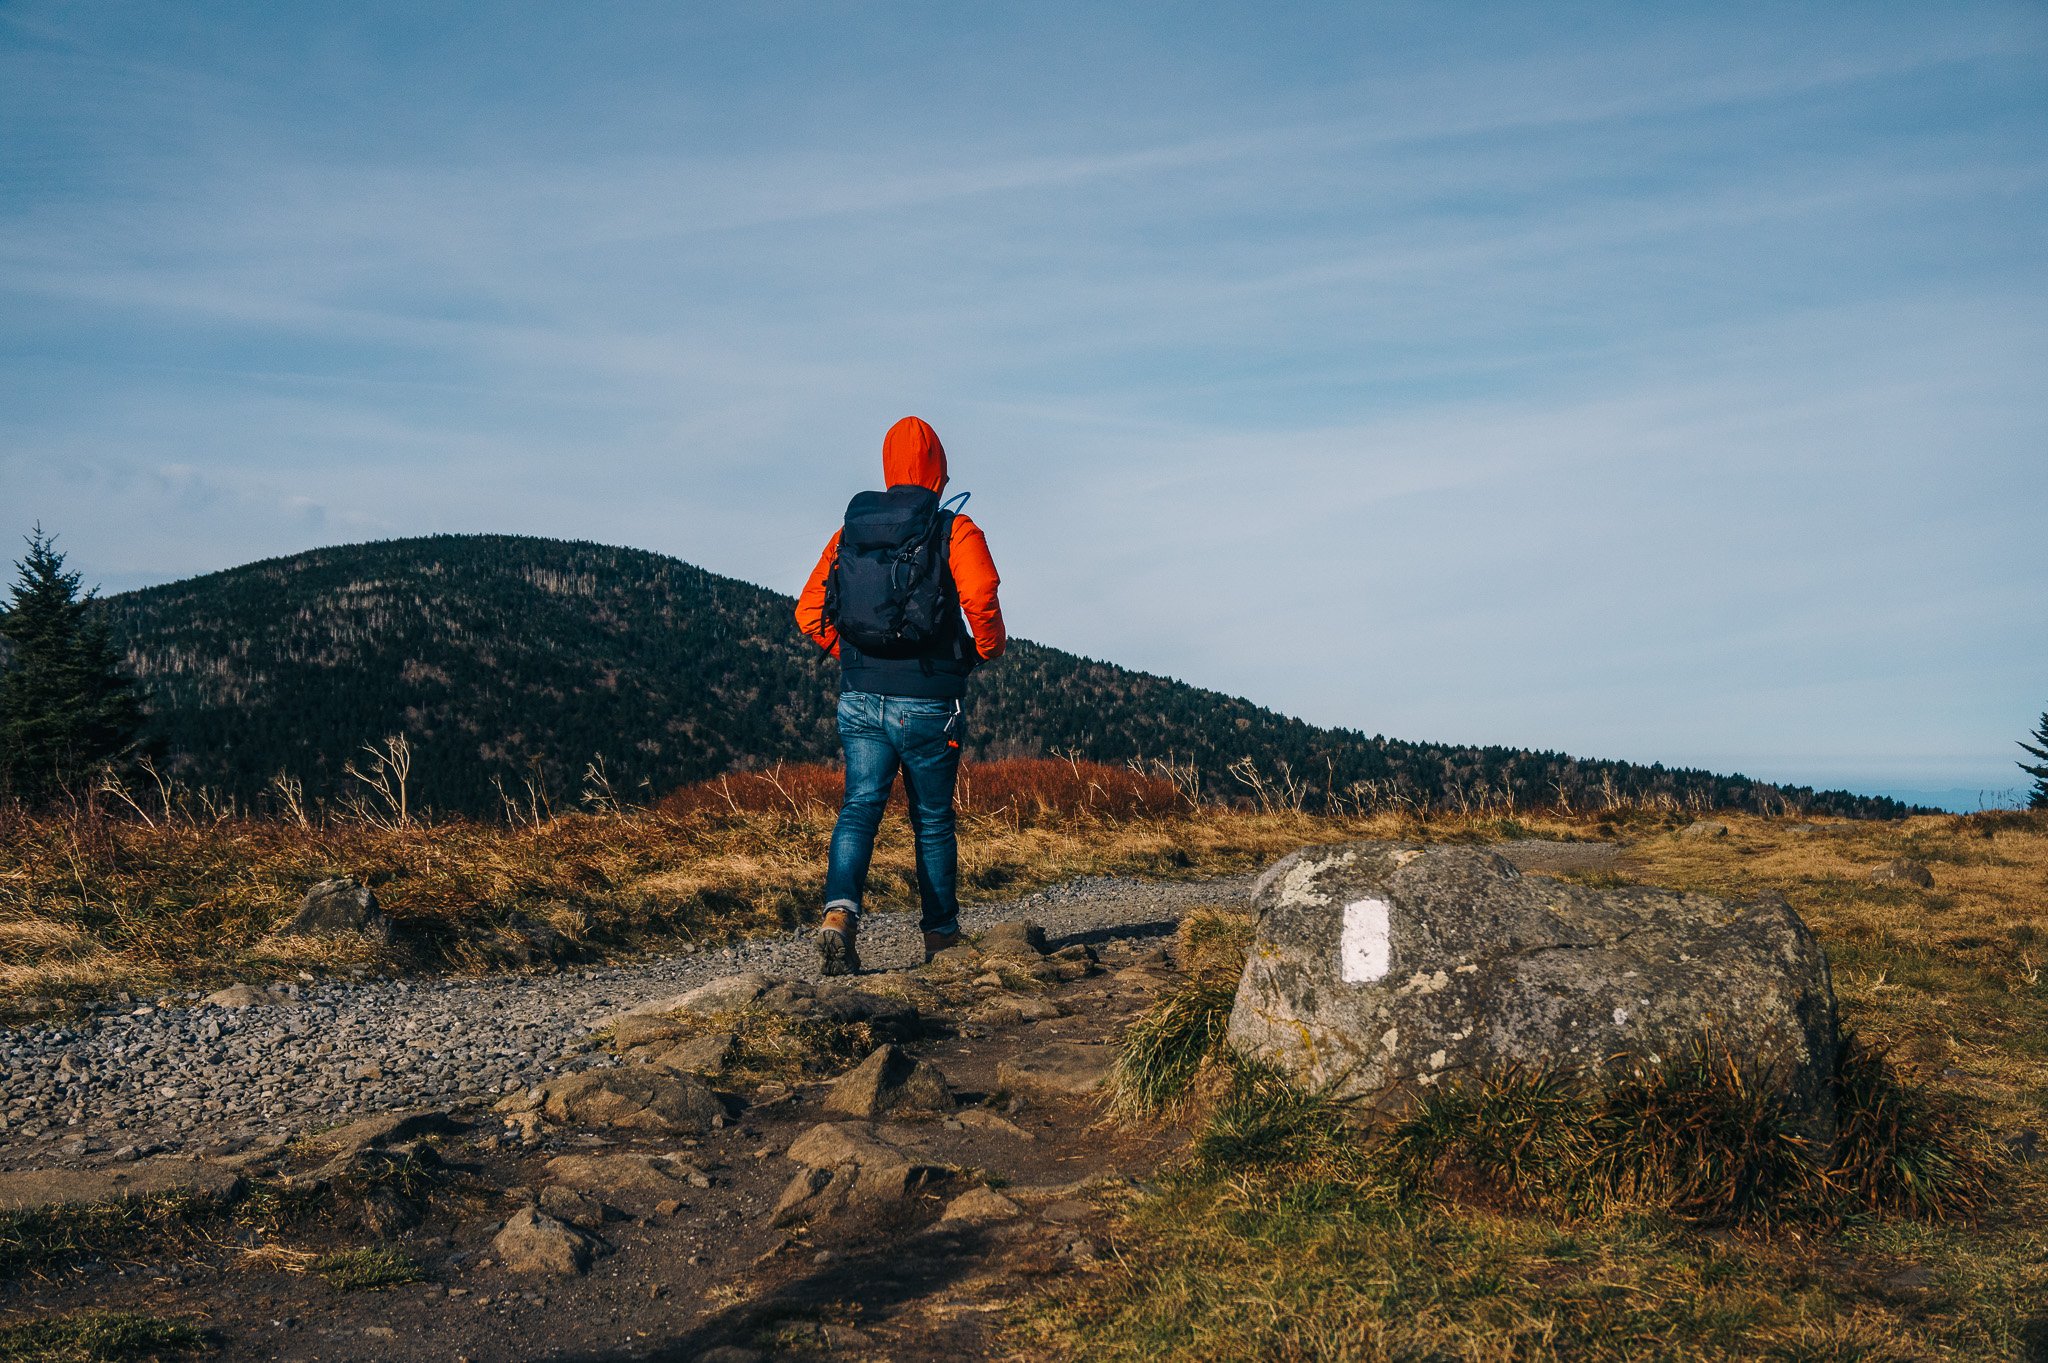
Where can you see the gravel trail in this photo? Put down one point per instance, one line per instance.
(127, 1082)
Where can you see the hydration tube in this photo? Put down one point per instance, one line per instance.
(955, 502)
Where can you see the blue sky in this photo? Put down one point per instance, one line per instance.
(1661, 382)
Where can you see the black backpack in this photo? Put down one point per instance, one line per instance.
(891, 590)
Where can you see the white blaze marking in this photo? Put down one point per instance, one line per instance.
(1364, 954)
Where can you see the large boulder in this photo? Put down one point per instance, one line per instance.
(1381, 969)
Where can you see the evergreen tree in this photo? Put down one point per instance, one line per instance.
(66, 707)
(2038, 799)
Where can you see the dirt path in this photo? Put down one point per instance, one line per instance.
(168, 1078)
(905, 1241)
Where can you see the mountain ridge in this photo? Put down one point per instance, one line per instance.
(509, 657)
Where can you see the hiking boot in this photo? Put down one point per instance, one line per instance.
(936, 942)
(836, 943)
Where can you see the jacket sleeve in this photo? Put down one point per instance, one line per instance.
(974, 577)
(810, 607)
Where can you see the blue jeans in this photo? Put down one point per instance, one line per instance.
(882, 734)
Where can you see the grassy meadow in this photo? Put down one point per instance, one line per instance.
(1285, 1234)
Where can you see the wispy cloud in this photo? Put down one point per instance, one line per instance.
(1664, 384)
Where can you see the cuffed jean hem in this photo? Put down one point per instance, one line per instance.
(843, 905)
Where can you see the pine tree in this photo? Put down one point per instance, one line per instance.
(66, 707)
(2038, 798)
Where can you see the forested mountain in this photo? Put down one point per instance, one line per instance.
(501, 657)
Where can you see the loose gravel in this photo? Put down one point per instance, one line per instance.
(128, 1082)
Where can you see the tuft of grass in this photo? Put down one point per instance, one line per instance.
(40, 1242)
(1165, 1051)
(366, 1269)
(1701, 1138)
(1167, 1047)
(1704, 1138)
(1264, 1121)
(1900, 1149)
(98, 1337)
(1211, 943)
(1522, 1137)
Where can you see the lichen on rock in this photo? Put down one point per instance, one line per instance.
(1384, 969)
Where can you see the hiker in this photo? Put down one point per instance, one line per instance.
(887, 600)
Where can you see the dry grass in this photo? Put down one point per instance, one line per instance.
(90, 905)
(1020, 790)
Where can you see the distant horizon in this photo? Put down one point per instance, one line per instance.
(1956, 797)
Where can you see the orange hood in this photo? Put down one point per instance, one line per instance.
(912, 454)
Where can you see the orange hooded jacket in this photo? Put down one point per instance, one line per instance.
(912, 454)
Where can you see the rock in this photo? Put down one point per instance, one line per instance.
(1903, 871)
(386, 1129)
(633, 1098)
(726, 994)
(813, 1192)
(37, 1190)
(1544, 854)
(1380, 968)
(1704, 828)
(978, 1205)
(1013, 939)
(634, 1031)
(731, 1353)
(833, 1143)
(1140, 979)
(981, 1119)
(1059, 1068)
(523, 942)
(534, 1242)
(238, 996)
(845, 1002)
(635, 1182)
(698, 1055)
(862, 1091)
(573, 1208)
(847, 1164)
(338, 908)
(889, 1079)
(366, 1166)
(924, 1090)
(1009, 1010)
(386, 1213)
